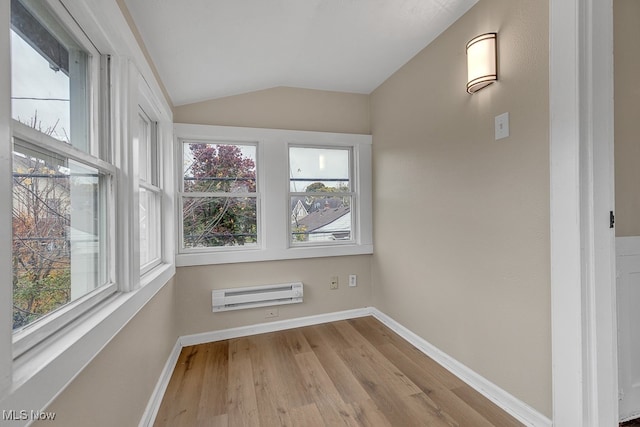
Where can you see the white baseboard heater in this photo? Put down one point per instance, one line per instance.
(256, 296)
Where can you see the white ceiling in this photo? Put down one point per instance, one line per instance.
(206, 49)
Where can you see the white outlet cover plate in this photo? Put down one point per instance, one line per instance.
(502, 126)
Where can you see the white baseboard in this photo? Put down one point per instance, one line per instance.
(512, 405)
(151, 411)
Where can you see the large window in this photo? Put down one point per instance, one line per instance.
(61, 185)
(219, 196)
(87, 228)
(260, 194)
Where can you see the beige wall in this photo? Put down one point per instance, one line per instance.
(283, 108)
(193, 299)
(461, 221)
(627, 116)
(114, 389)
(277, 108)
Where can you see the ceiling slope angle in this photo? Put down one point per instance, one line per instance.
(205, 49)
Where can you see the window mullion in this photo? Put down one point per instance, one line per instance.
(319, 194)
(33, 137)
(5, 194)
(150, 187)
(80, 105)
(127, 212)
(196, 194)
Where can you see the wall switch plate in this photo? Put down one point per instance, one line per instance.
(353, 280)
(502, 126)
(334, 283)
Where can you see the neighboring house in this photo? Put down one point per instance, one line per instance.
(298, 211)
(327, 224)
(41, 198)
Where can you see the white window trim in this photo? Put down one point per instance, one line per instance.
(36, 378)
(182, 195)
(583, 285)
(148, 104)
(150, 265)
(273, 182)
(353, 181)
(34, 333)
(6, 193)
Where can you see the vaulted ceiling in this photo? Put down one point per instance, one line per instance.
(206, 49)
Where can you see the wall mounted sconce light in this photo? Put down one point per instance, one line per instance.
(482, 62)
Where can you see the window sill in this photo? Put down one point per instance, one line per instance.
(43, 372)
(256, 255)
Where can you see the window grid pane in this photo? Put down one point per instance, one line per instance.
(150, 196)
(61, 251)
(219, 198)
(59, 212)
(150, 236)
(319, 169)
(219, 168)
(219, 221)
(320, 195)
(49, 77)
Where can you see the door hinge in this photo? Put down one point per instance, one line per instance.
(612, 219)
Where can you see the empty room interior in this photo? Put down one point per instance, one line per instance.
(219, 174)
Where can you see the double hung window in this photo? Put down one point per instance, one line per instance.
(76, 190)
(62, 174)
(219, 195)
(320, 195)
(286, 195)
(150, 194)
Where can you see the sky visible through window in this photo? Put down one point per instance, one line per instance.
(327, 165)
(39, 94)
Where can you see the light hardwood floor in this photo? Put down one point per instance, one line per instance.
(354, 373)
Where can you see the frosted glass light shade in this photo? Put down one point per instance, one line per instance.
(482, 62)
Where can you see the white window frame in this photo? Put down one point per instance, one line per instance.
(6, 193)
(351, 193)
(151, 184)
(32, 334)
(273, 177)
(94, 76)
(35, 378)
(182, 195)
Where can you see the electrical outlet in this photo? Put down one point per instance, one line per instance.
(271, 312)
(353, 280)
(334, 282)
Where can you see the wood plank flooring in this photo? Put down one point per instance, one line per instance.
(348, 373)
